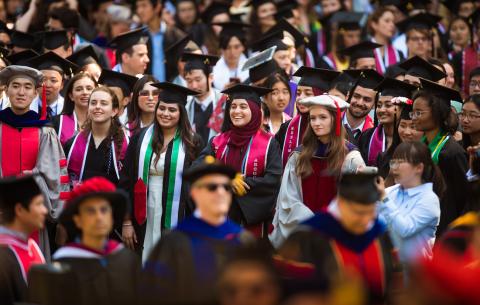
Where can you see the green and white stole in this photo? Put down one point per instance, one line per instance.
(436, 145)
(174, 162)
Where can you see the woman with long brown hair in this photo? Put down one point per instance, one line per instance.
(155, 161)
(141, 109)
(101, 146)
(310, 177)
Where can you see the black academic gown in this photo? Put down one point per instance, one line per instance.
(453, 164)
(99, 162)
(257, 205)
(183, 267)
(323, 242)
(12, 285)
(128, 178)
(104, 279)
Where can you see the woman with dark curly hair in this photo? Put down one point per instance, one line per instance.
(100, 148)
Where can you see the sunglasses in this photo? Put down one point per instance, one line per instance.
(212, 187)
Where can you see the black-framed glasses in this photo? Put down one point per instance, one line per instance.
(213, 187)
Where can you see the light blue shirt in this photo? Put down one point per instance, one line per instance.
(157, 56)
(412, 216)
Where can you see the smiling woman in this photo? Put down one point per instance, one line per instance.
(99, 149)
(246, 147)
(154, 163)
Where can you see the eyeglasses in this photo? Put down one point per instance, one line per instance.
(474, 83)
(468, 115)
(395, 163)
(146, 93)
(416, 114)
(212, 187)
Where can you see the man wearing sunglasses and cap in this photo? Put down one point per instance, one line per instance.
(202, 242)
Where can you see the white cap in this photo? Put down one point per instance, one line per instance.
(326, 100)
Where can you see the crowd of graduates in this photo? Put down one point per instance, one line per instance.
(239, 152)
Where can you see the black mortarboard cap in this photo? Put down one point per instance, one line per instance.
(417, 66)
(445, 94)
(393, 71)
(215, 8)
(17, 189)
(199, 61)
(424, 21)
(343, 83)
(124, 81)
(395, 88)
(269, 40)
(54, 39)
(21, 58)
(367, 78)
(285, 9)
(173, 94)
(363, 49)
(209, 166)
(242, 91)
(261, 65)
(23, 40)
(316, 77)
(406, 110)
(454, 5)
(283, 25)
(178, 46)
(52, 61)
(474, 17)
(410, 5)
(347, 20)
(129, 39)
(232, 28)
(84, 56)
(359, 188)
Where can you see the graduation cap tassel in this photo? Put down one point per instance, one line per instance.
(375, 118)
(350, 93)
(43, 115)
(338, 120)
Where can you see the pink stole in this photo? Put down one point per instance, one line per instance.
(376, 145)
(392, 58)
(368, 123)
(27, 253)
(469, 62)
(255, 159)
(292, 138)
(78, 155)
(19, 149)
(67, 127)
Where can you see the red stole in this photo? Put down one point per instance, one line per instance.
(27, 253)
(368, 123)
(67, 127)
(469, 62)
(293, 138)
(319, 188)
(216, 119)
(78, 155)
(255, 158)
(20, 149)
(368, 263)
